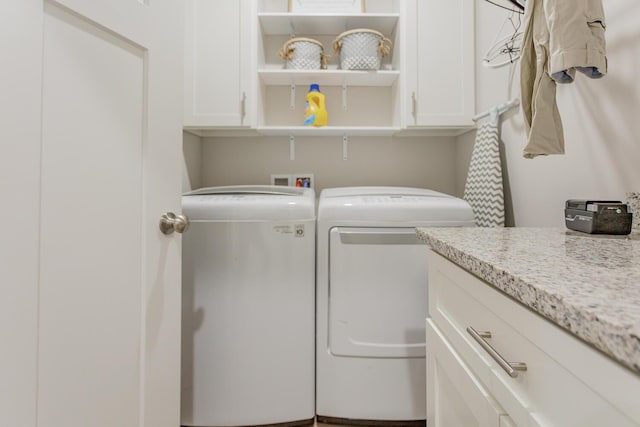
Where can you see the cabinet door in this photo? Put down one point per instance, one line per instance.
(455, 397)
(440, 73)
(217, 62)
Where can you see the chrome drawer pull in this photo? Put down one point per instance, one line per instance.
(510, 368)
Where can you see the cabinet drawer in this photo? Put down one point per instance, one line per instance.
(457, 398)
(567, 383)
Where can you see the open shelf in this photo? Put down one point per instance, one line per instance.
(327, 130)
(280, 77)
(325, 23)
(300, 131)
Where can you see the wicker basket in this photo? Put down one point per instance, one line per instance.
(303, 54)
(361, 49)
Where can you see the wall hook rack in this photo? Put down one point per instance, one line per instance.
(516, 5)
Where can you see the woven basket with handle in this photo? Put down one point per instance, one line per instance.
(302, 53)
(361, 49)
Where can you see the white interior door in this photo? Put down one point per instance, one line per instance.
(91, 133)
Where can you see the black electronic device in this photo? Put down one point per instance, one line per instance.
(597, 216)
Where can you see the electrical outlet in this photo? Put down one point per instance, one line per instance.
(279, 179)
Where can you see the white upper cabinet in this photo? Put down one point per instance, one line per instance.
(440, 64)
(218, 64)
(236, 80)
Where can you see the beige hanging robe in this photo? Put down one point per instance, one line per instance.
(560, 37)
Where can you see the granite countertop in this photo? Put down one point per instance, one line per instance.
(586, 284)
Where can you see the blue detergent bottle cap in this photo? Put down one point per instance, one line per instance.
(314, 87)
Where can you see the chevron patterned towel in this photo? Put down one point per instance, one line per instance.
(483, 189)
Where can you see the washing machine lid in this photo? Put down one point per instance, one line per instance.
(377, 191)
(249, 203)
(411, 206)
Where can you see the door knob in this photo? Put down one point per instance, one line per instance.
(170, 222)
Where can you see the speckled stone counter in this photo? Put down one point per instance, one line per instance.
(587, 284)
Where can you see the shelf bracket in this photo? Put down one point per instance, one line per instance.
(344, 96)
(345, 147)
(292, 29)
(292, 97)
(292, 147)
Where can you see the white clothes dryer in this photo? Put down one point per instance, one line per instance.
(248, 307)
(371, 301)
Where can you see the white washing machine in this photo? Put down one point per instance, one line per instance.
(371, 300)
(248, 306)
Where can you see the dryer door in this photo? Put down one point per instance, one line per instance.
(377, 292)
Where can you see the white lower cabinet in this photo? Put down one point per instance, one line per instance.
(566, 383)
(455, 396)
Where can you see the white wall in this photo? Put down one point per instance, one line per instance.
(412, 162)
(601, 124)
(601, 121)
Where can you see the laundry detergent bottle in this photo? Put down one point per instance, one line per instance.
(315, 113)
